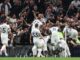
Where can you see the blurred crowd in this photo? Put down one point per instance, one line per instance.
(21, 13)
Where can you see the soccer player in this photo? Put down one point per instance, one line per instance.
(73, 35)
(54, 36)
(4, 31)
(62, 46)
(38, 41)
(37, 21)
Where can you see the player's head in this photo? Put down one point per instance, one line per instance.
(40, 15)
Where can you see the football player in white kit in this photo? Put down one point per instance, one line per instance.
(34, 30)
(65, 52)
(37, 21)
(38, 41)
(59, 44)
(54, 36)
(73, 34)
(4, 31)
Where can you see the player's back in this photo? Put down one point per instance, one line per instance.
(54, 29)
(36, 22)
(4, 28)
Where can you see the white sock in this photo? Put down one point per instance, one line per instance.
(39, 53)
(3, 48)
(34, 50)
(0, 52)
(5, 52)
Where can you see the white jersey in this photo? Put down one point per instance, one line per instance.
(54, 29)
(36, 22)
(73, 34)
(67, 30)
(37, 37)
(54, 35)
(4, 28)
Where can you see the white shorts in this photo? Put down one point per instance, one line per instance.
(38, 42)
(4, 39)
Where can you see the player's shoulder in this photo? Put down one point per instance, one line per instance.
(36, 20)
(7, 25)
(74, 30)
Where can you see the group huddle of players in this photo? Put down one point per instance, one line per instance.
(43, 31)
(59, 34)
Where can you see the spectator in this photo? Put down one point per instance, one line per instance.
(16, 8)
(25, 36)
(75, 3)
(5, 7)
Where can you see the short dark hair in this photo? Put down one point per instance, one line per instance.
(36, 25)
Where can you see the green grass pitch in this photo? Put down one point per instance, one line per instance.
(35, 58)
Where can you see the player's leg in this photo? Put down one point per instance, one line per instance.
(51, 49)
(67, 51)
(53, 43)
(39, 52)
(4, 40)
(63, 50)
(34, 48)
(3, 49)
(45, 50)
(40, 47)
